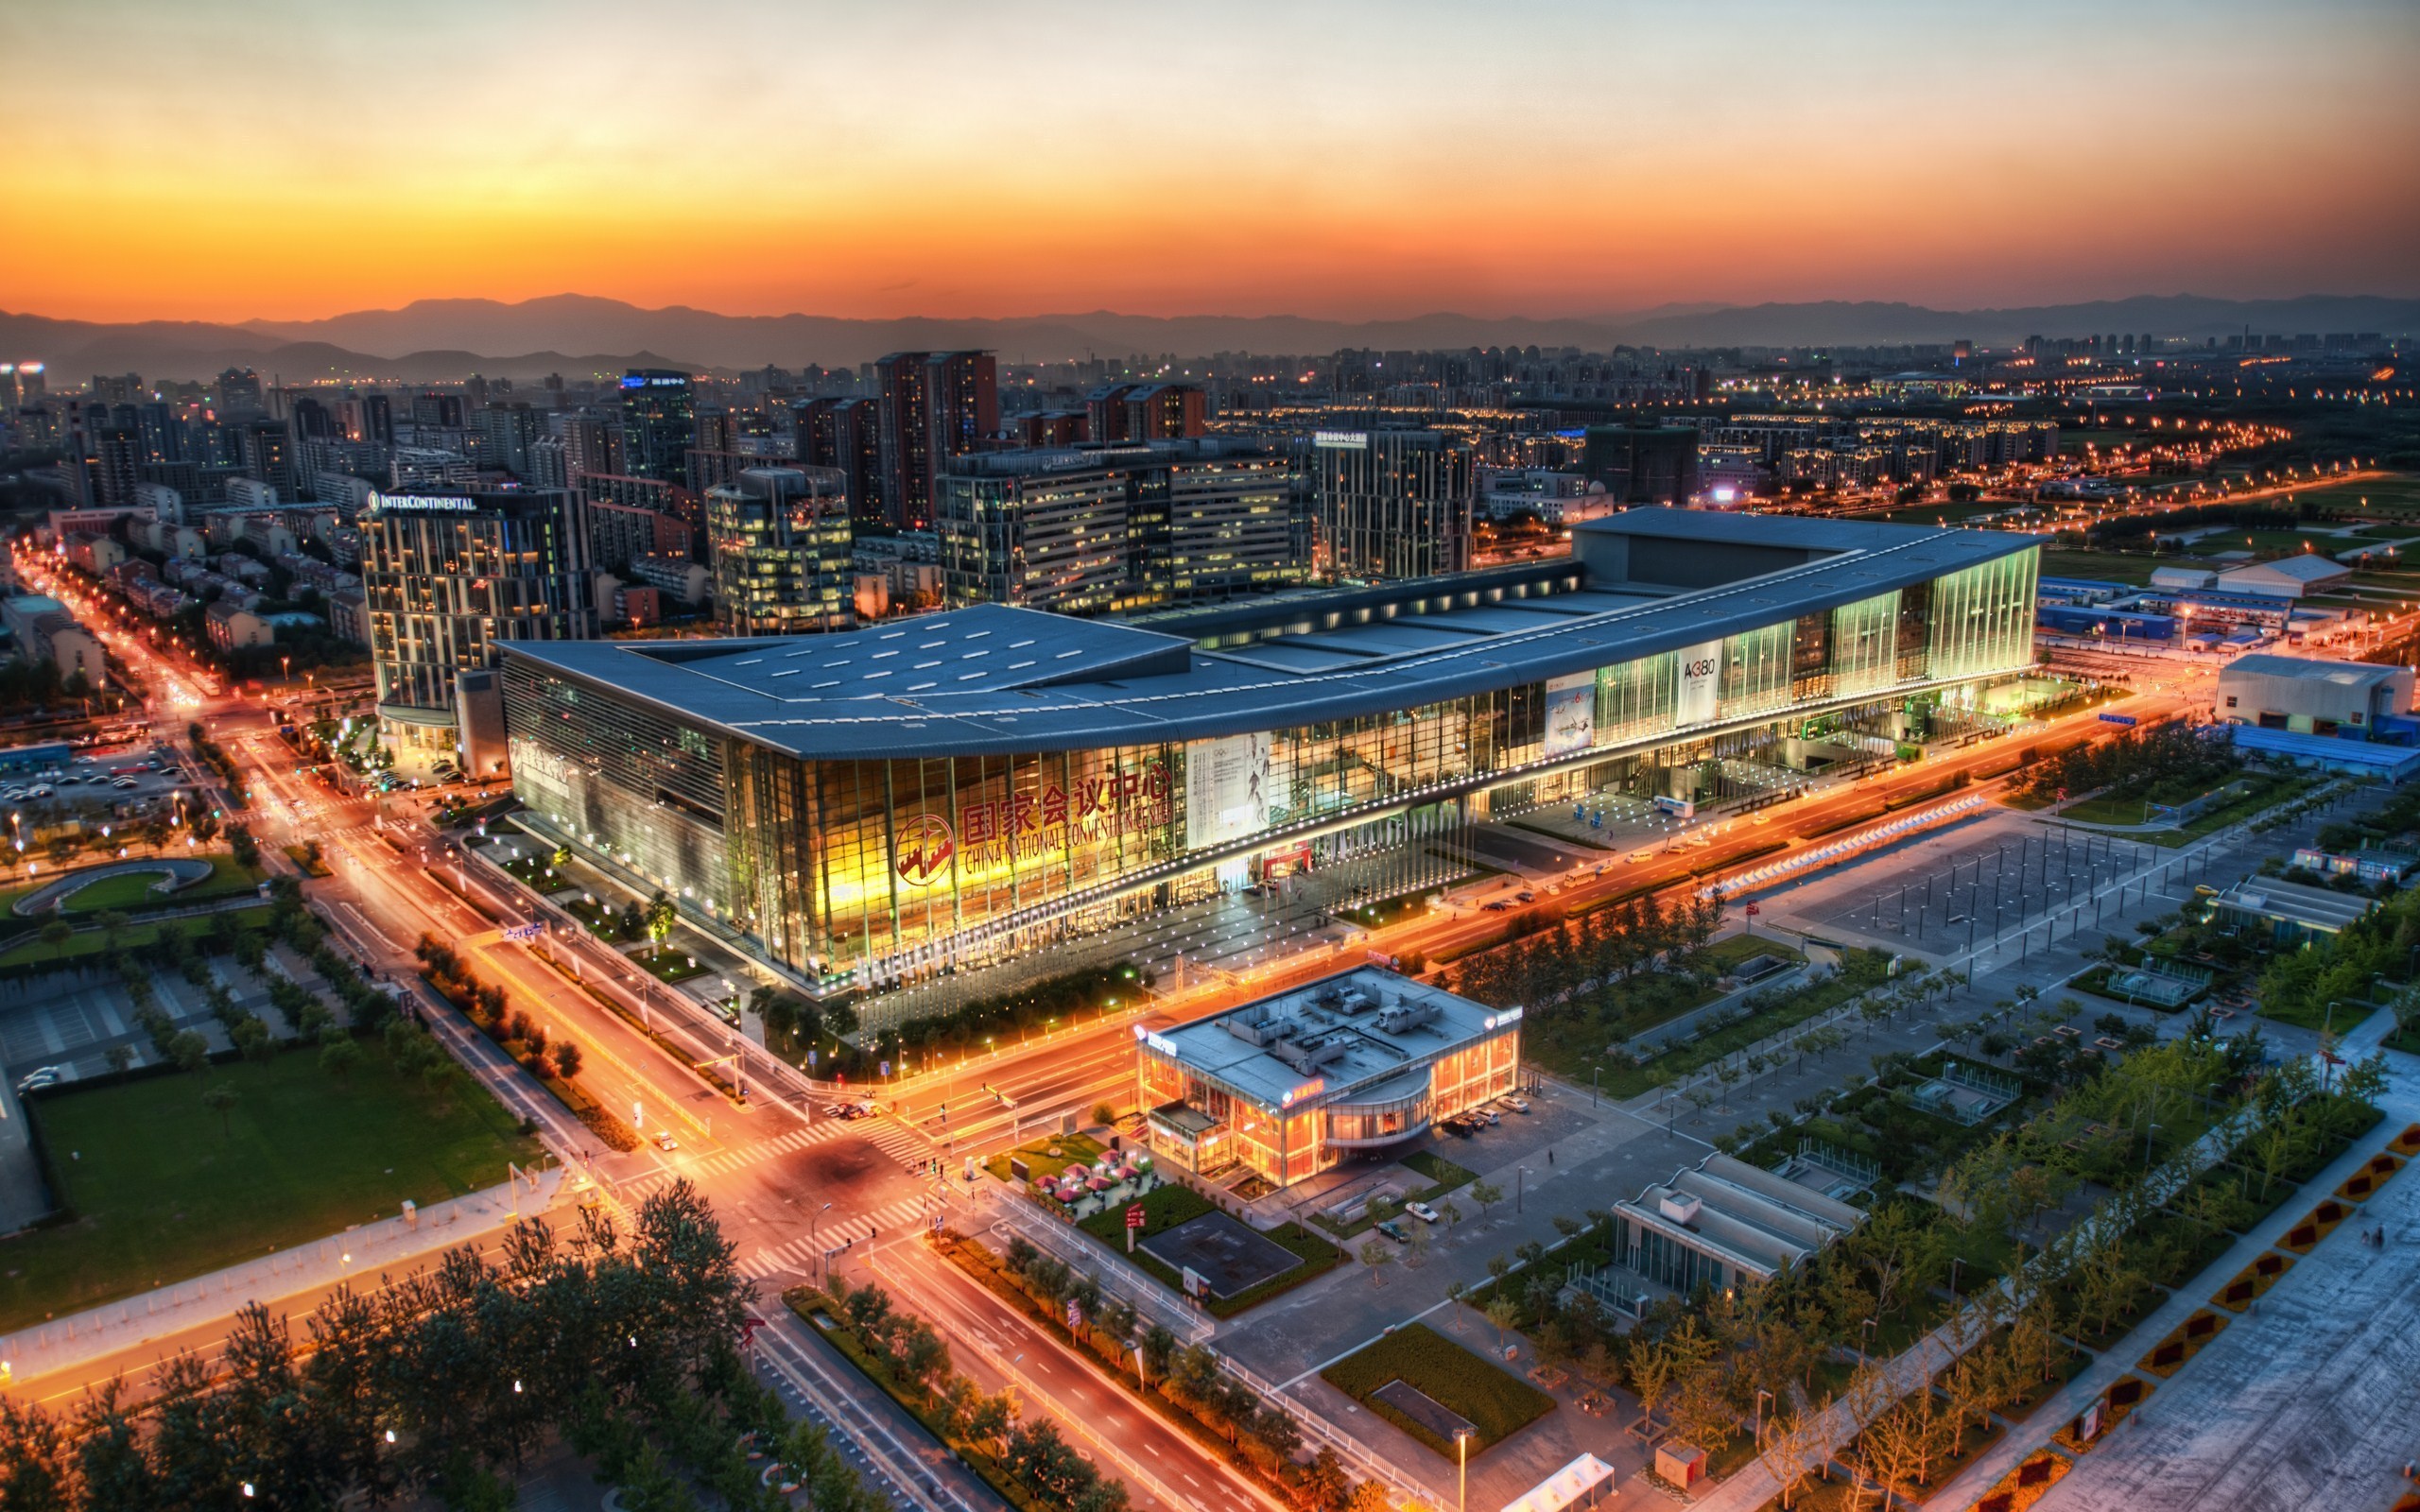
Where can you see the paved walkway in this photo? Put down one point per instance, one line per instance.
(363, 1252)
(2309, 1401)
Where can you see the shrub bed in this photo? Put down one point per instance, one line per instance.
(2183, 1343)
(2252, 1282)
(1498, 1404)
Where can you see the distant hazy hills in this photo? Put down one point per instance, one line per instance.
(572, 334)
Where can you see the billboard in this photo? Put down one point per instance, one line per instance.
(1701, 675)
(1226, 789)
(1571, 713)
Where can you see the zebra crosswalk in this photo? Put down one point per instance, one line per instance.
(800, 1254)
(882, 1134)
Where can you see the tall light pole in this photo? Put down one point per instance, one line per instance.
(1463, 1476)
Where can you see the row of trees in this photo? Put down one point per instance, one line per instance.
(215, 756)
(1031, 1452)
(1701, 1365)
(2170, 762)
(1263, 1438)
(444, 1382)
(1593, 965)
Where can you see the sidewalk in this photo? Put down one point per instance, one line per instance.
(2119, 1360)
(359, 1253)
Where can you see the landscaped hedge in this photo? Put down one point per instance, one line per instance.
(1498, 1404)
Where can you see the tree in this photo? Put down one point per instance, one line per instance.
(1505, 1314)
(245, 849)
(660, 914)
(119, 1058)
(567, 1058)
(220, 1098)
(1795, 1448)
(340, 1056)
(1451, 1214)
(190, 1049)
(113, 924)
(1377, 1255)
(56, 935)
(1487, 1195)
(1648, 1363)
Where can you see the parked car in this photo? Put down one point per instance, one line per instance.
(1395, 1231)
(1518, 1105)
(40, 1076)
(1498, 907)
(1421, 1211)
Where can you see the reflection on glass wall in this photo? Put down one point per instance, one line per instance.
(892, 866)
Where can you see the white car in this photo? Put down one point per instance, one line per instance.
(1421, 1211)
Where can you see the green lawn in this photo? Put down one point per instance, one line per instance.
(93, 942)
(162, 1190)
(128, 893)
(1074, 1149)
(1493, 1401)
(670, 965)
(1168, 1205)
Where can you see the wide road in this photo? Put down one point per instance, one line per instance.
(969, 1103)
(1000, 1347)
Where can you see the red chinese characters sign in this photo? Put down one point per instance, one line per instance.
(1023, 825)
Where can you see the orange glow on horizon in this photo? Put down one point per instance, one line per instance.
(257, 161)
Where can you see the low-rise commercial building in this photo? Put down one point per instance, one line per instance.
(1717, 1225)
(2287, 577)
(1293, 1084)
(2311, 697)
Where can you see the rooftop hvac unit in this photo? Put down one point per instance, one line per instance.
(1329, 1051)
(1405, 1016)
(1679, 1206)
(1359, 1001)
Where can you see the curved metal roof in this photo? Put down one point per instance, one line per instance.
(994, 679)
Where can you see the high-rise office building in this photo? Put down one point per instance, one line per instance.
(268, 455)
(118, 389)
(377, 419)
(447, 576)
(436, 410)
(505, 432)
(1642, 464)
(781, 541)
(1093, 529)
(907, 452)
(592, 445)
(1146, 412)
(659, 423)
(934, 406)
(118, 453)
(845, 435)
(1391, 504)
(239, 392)
(162, 431)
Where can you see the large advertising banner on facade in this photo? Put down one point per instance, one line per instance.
(1226, 789)
(1701, 675)
(1571, 713)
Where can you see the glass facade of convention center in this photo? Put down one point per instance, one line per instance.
(875, 870)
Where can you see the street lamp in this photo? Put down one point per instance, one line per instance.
(1463, 1476)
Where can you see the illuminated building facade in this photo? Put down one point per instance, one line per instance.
(1291, 1085)
(781, 537)
(449, 576)
(862, 808)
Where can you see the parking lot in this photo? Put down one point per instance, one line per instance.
(122, 780)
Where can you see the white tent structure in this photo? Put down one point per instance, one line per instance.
(1576, 1484)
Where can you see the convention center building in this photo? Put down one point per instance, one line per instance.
(859, 810)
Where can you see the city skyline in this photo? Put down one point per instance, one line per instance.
(1346, 163)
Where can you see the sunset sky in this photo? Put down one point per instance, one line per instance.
(233, 159)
